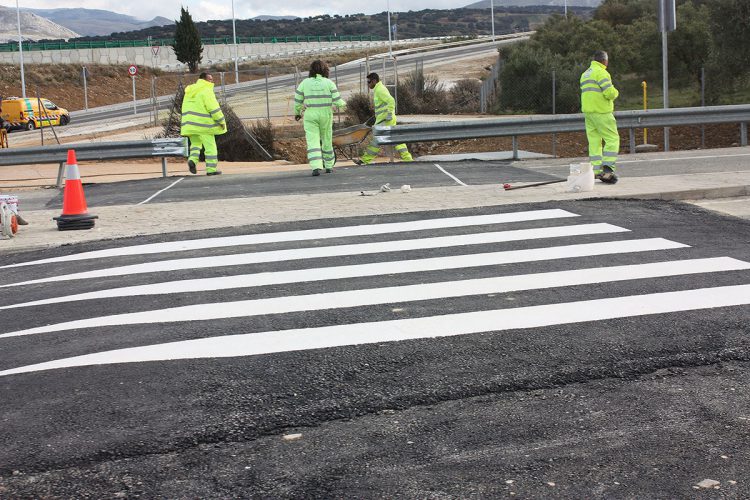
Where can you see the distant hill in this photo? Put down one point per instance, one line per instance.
(412, 24)
(274, 18)
(485, 4)
(94, 22)
(33, 27)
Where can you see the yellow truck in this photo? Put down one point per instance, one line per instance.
(25, 114)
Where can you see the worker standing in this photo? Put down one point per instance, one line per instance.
(385, 114)
(202, 121)
(597, 103)
(316, 96)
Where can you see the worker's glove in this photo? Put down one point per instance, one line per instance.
(297, 118)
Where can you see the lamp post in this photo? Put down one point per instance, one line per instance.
(390, 40)
(20, 50)
(236, 55)
(492, 17)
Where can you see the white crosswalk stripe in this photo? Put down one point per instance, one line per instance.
(570, 265)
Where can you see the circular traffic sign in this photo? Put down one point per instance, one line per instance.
(133, 70)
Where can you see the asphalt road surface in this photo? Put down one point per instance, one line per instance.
(588, 349)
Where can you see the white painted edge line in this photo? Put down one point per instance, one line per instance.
(307, 253)
(159, 192)
(372, 269)
(399, 294)
(310, 234)
(252, 344)
(458, 181)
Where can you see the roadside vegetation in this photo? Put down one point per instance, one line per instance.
(711, 40)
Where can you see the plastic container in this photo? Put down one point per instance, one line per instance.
(581, 178)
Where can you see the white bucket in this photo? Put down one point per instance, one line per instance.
(581, 178)
(11, 201)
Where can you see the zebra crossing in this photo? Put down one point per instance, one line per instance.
(351, 285)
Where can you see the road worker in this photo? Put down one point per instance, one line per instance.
(315, 97)
(202, 121)
(385, 114)
(598, 96)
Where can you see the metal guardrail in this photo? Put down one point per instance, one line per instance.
(554, 124)
(93, 151)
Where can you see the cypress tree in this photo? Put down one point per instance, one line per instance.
(187, 41)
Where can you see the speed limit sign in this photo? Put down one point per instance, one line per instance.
(133, 70)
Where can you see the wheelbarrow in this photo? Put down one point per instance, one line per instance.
(347, 141)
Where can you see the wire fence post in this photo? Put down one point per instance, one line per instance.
(84, 72)
(268, 100)
(554, 136)
(223, 88)
(703, 103)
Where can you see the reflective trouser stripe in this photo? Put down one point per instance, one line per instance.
(601, 132)
(319, 135)
(197, 142)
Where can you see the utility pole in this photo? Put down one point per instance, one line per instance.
(492, 17)
(20, 51)
(390, 39)
(236, 55)
(667, 23)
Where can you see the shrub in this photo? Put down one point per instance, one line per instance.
(359, 108)
(465, 95)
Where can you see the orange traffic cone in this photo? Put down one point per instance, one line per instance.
(75, 213)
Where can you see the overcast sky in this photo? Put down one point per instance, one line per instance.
(202, 10)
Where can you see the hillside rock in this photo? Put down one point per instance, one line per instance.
(96, 22)
(33, 27)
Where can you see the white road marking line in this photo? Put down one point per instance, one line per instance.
(682, 158)
(450, 175)
(159, 192)
(646, 160)
(398, 294)
(310, 234)
(374, 269)
(337, 250)
(268, 342)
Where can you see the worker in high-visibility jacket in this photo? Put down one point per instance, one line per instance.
(598, 96)
(202, 121)
(385, 114)
(316, 96)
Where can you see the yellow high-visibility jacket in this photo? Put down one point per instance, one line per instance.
(201, 113)
(598, 94)
(317, 96)
(385, 105)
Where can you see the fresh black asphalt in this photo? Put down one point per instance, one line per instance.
(637, 407)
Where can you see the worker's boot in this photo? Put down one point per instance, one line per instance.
(608, 175)
(316, 172)
(191, 167)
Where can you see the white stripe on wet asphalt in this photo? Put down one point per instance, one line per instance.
(373, 269)
(337, 251)
(397, 294)
(268, 342)
(309, 234)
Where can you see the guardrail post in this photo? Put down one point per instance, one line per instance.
(515, 147)
(631, 133)
(163, 166)
(743, 134)
(60, 174)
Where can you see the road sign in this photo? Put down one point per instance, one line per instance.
(133, 70)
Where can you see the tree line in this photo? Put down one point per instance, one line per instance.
(711, 35)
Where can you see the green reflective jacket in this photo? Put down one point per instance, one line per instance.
(201, 113)
(318, 94)
(598, 94)
(385, 105)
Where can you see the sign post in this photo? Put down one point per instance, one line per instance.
(667, 22)
(132, 71)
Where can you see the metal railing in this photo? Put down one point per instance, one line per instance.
(164, 42)
(93, 151)
(555, 124)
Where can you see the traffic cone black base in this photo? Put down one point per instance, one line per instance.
(75, 222)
